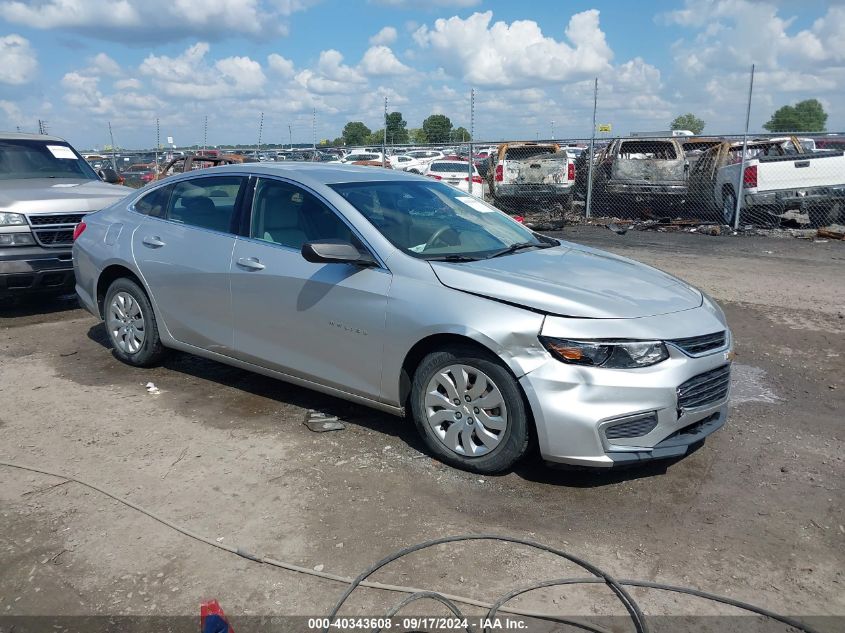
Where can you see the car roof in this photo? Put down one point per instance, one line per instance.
(312, 174)
(23, 136)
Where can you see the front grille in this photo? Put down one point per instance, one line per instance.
(636, 426)
(705, 389)
(54, 229)
(698, 345)
(63, 218)
(54, 237)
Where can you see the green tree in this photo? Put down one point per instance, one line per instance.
(437, 128)
(376, 138)
(396, 128)
(804, 116)
(461, 134)
(689, 122)
(355, 133)
(416, 135)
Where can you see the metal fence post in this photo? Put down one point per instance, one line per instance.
(741, 182)
(384, 139)
(471, 134)
(589, 201)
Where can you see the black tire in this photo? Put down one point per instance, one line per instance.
(728, 198)
(151, 350)
(514, 439)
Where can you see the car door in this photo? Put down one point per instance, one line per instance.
(183, 249)
(321, 322)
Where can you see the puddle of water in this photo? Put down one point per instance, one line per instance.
(748, 384)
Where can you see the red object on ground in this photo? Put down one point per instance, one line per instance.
(519, 219)
(212, 618)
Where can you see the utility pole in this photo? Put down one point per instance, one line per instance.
(314, 129)
(384, 140)
(260, 130)
(290, 136)
(42, 127)
(111, 139)
(158, 144)
(553, 129)
(205, 134)
(590, 160)
(471, 136)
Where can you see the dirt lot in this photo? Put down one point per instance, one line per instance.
(756, 514)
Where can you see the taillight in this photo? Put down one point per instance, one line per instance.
(78, 230)
(477, 179)
(570, 171)
(749, 177)
(435, 176)
(500, 172)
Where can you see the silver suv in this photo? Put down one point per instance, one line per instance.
(407, 295)
(46, 188)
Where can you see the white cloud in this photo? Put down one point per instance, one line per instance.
(386, 36)
(280, 65)
(102, 64)
(449, 4)
(128, 84)
(516, 54)
(11, 111)
(156, 20)
(190, 75)
(19, 60)
(380, 60)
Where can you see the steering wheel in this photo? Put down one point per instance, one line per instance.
(437, 235)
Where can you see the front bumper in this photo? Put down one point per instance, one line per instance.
(32, 270)
(574, 406)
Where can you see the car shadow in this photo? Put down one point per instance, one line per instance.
(277, 390)
(37, 304)
(531, 469)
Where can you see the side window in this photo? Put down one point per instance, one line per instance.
(207, 203)
(284, 214)
(154, 203)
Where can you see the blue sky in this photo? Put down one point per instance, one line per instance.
(80, 64)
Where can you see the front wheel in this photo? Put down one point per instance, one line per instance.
(469, 410)
(131, 324)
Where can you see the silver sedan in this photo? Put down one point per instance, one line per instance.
(409, 296)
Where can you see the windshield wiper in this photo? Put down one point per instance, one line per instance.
(518, 247)
(452, 258)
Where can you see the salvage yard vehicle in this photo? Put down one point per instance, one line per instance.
(641, 174)
(46, 188)
(404, 294)
(456, 174)
(778, 177)
(531, 173)
(192, 162)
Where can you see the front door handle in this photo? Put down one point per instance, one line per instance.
(251, 263)
(153, 241)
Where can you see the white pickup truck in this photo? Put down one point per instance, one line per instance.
(778, 177)
(526, 173)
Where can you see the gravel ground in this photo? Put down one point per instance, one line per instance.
(756, 514)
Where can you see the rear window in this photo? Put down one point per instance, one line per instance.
(659, 150)
(459, 168)
(521, 153)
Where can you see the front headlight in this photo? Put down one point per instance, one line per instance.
(16, 239)
(608, 354)
(11, 219)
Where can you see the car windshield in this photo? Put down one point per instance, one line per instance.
(435, 221)
(22, 158)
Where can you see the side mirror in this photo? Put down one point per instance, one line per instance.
(109, 175)
(335, 252)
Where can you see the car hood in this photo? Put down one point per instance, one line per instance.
(573, 281)
(53, 195)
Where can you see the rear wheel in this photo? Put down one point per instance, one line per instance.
(728, 206)
(469, 410)
(131, 324)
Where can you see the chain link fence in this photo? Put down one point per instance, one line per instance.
(761, 182)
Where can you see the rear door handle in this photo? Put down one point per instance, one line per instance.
(153, 241)
(251, 263)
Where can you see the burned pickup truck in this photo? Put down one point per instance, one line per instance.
(641, 174)
(778, 176)
(531, 174)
